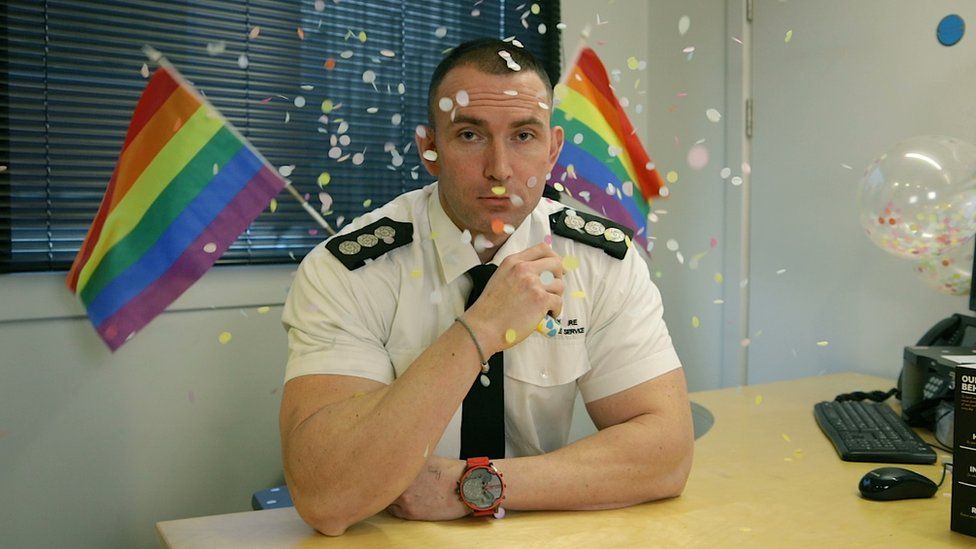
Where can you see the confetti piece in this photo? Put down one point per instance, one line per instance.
(672, 245)
(745, 342)
(695, 322)
(416, 273)
(578, 294)
(712, 243)
(497, 226)
(299, 101)
(144, 71)
(684, 23)
(736, 181)
(263, 309)
(570, 263)
(823, 343)
(445, 104)
(242, 61)
(632, 63)
(274, 205)
(324, 179)
(254, 33)
(672, 176)
(441, 32)
(725, 173)
(697, 157)
(362, 36)
(546, 277)
(789, 36)
(224, 338)
(759, 400)
(216, 48)
(786, 437)
(510, 336)
(713, 115)
(367, 203)
(330, 64)
(498, 190)
(719, 278)
(430, 155)
(210, 247)
(287, 170)
(369, 76)
(301, 33)
(781, 271)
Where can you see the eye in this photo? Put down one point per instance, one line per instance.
(524, 136)
(467, 135)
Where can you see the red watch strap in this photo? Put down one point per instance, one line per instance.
(478, 462)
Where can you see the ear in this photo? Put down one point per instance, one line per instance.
(556, 136)
(426, 143)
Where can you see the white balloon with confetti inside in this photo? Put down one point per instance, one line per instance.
(919, 198)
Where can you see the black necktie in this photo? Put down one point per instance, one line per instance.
(483, 411)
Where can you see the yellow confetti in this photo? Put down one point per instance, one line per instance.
(745, 529)
(359, 394)
(254, 32)
(274, 205)
(695, 322)
(367, 203)
(263, 310)
(324, 179)
(416, 273)
(362, 36)
(658, 274)
(498, 190)
(632, 63)
(327, 106)
(758, 400)
(535, 9)
(579, 294)
(224, 338)
(823, 343)
(786, 437)
(788, 459)
(789, 36)
(719, 278)
(570, 263)
(434, 235)
(672, 176)
(510, 336)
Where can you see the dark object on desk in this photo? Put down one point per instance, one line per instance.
(272, 498)
(891, 483)
(870, 431)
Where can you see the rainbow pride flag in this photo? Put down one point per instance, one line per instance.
(603, 163)
(185, 186)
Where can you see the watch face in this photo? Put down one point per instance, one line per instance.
(482, 488)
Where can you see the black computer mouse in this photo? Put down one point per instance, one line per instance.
(889, 483)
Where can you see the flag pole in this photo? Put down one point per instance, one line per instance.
(156, 57)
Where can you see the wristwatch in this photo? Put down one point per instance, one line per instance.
(481, 487)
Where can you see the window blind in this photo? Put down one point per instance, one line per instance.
(329, 90)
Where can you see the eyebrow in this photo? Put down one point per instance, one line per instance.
(467, 119)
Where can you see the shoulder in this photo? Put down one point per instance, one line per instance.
(378, 232)
(592, 230)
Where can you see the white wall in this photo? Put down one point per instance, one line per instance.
(855, 78)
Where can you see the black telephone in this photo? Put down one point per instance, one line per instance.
(925, 409)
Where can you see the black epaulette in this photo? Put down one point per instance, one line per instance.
(612, 238)
(373, 240)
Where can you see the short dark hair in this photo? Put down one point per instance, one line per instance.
(482, 53)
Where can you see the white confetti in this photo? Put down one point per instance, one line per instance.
(286, 171)
(445, 104)
(713, 115)
(299, 101)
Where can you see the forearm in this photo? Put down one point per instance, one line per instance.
(351, 458)
(644, 459)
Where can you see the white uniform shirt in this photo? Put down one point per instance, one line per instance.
(373, 321)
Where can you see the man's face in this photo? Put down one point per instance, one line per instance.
(494, 148)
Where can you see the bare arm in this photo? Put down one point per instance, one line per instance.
(642, 452)
(351, 446)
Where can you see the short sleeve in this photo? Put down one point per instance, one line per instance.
(333, 322)
(628, 342)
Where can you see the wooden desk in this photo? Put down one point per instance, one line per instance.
(764, 476)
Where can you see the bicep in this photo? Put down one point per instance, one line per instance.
(665, 396)
(304, 396)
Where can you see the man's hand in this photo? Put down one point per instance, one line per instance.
(525, 287)
(433, 494)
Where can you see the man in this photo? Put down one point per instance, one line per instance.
(390, 394)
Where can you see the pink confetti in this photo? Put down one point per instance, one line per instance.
(548, 239)
(713, 242)
(313, 232)
(266, 100)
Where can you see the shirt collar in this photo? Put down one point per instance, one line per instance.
(456, 257)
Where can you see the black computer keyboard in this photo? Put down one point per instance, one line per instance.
(870, 431)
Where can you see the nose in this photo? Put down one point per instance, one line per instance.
(497, 165)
